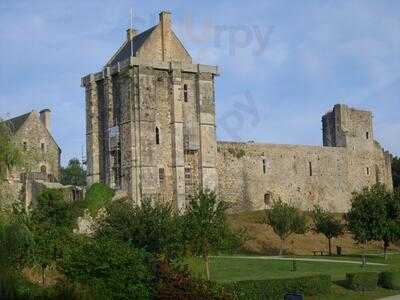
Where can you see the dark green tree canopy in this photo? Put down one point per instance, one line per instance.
(73, 174)
(10, 153)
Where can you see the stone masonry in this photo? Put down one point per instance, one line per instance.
(151, 132)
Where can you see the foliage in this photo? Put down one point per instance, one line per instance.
(363, 281)
(156, 228)
(327, 224)
(375, 215)
(16, 243)
(285, 220)
(238, 153)
(73, 174)
(396, 171)
(276, 288)
(176, 282)
(98, 196)
(110, 268)
(206, 225)
(390, 280)
(10, 153)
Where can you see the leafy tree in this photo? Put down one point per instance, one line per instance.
(327, 224)
(206, 225)
(16, 244)
(154, 227)
(73, 174)
(52, 222)
(110, 268)
(285, 219)
(396, 171)
(375, 216)
(10, 153)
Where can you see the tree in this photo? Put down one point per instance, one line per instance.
(285, 219)
(110, 268)
(154, 227)
(73, 174)
(327, 224)
(10, 153)
(206, 225)
(375, 216)
(396, 171)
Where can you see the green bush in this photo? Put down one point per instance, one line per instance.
(390, 280)
(363, 281)
(276, 288)
(98, 196)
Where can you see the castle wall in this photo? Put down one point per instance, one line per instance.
(304, 175)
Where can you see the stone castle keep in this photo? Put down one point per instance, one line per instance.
(151, 132)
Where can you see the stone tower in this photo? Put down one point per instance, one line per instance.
(151, 118)
(348, 127)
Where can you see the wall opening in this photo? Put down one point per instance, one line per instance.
(185, 93)
(43, 169)
(25, 146)
(264, 166)
(267, 199)
(367, 135)
(42, 146)
(157, 136)
(368, 172)
(310, 168)
(188, 176)
(161, 175)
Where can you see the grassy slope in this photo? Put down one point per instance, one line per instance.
(97, 197)
(264, 241)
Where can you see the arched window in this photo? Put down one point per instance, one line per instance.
(157, 136)
(267, 199)
(185, 93)
(43, 169)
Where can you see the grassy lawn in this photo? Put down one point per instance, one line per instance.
(233, 269)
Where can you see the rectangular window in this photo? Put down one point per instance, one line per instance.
(264, 166)
(42, 146)
(185, 93)
(368, 171)
(161, 175)
(367, 135)
(310, 168)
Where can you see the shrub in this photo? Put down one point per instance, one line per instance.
(363, 281)
(390, 280)
(276, 288)
(98, 196)
(176, 283)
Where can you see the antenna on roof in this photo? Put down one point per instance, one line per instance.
(131, 30)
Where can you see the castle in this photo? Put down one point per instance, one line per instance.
(151, 132)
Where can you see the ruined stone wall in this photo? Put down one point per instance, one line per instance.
(252, 175)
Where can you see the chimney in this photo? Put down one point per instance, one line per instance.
(165, 22)
(45, 118)
(131, 33)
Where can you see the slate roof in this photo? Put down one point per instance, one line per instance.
(125, 51)
(16, 123)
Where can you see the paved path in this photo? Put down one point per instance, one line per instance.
(303, 259)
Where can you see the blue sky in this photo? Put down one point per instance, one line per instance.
(283, 63)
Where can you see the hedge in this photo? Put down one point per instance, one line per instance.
(363, 281)
(277, 288)
(390, 280)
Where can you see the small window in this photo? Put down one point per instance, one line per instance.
(185, 93)
(367, 135)
(368, 171)
(267, 199)
(42, 146)
(310, 168)
(25, 146)
(43, 169)
(161, 175)
(264, 166)
(157, 136)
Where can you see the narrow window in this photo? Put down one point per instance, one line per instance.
(367, 170)
(367, 135)
(43, 169)
(42, 146)
(310, 168)
(161, 175)
(188, 176)
(264, 166)
(185, 93)
(267, 199)
(25, 146)
(157, 136)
